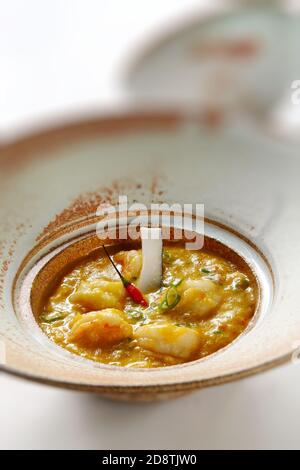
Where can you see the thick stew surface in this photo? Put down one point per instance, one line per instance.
(204, 303)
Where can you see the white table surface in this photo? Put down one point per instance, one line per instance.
(62, 57)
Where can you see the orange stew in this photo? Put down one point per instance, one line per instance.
(203, 304)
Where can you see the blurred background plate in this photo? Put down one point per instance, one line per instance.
(234, 58)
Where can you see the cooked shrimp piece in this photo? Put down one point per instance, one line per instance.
(131, 262)
(99, 294)
(172, 340)
(103, 328)
(199, 296)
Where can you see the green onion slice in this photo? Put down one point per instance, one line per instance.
(171, 299)
(167, 257)
(136, 315)
(242, 283)
(53, 316)
(176, 283)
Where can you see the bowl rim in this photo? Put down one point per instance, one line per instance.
(156, 387)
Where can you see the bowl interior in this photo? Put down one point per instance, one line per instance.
(35, 283)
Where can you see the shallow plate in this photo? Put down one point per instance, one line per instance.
(229, 56)
(52, 183)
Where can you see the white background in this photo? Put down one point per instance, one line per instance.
(61, 57)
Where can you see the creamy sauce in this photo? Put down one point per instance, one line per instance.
(210, 301)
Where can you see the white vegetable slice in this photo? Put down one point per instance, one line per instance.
(151, 274)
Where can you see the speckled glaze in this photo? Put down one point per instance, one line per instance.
(50, 185)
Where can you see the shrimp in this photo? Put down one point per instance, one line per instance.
(172, 340)
(131, 262)
(99, 294)
(103, 328)
(199, 297)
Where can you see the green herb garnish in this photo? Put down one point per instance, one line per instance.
(167, 258)
(205, 271)
(136, 315)
(170, 300)
(242, 283)
(176, 283)
(54, 316)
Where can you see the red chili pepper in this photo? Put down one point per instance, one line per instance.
(134, 293)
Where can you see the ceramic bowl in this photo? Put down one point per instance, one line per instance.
(51, 184)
